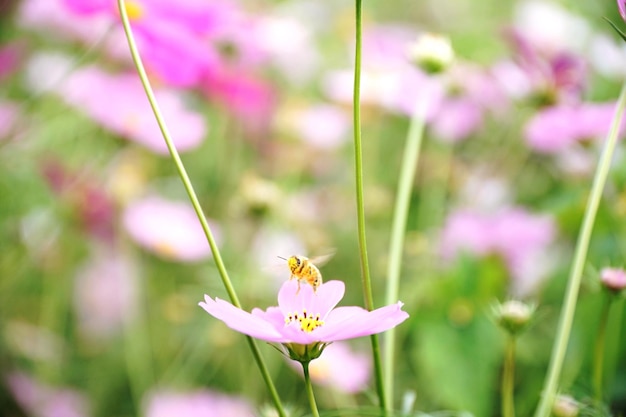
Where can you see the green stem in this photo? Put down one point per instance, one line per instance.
(407, 173)
(571, 293)
(309, 389)
(508, 379)
(194, 200)
(358, 154)
(598, 356)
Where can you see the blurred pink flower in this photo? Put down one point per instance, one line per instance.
(119, 103)
(553, 75)
(456, 119)
(621, 5)
(40, 400)
(555, 129)
(521, 238)
(200, 403)
(248, 98)
(323, 126)
(53, 18)
(170, 229)
(9, 117)
(10, 57)
(105, 293)
(613, 278)
(306, 321)
(340, 368)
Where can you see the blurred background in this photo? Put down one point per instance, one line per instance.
(103, 262)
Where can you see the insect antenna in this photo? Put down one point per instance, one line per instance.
(280, 257)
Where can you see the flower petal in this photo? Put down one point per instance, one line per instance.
(241, 321)
(322, 301)
(350, 322)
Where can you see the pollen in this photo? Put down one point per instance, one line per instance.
(134, 10)
(307, 322)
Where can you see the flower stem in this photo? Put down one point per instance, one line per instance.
(508, 378)
(309, 389)
(407, 173)
(582, 246)
(194, 199)
(358, 153)
(598, 356)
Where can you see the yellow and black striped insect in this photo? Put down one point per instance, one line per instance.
(304, 269)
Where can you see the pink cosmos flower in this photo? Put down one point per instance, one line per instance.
(200, 403)
(105, 293)
(613, 278)
(557, 128)
(340, 368)
(167, 34)
(40, 400)
(247, 97)
(119, 103)
(520, 238)
(169, 229)
(306, 319)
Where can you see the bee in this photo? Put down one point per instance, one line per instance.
(304, 269)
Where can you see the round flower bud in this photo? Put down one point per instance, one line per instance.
(513, 315)
(432, 53)
(565, 406)
(613, 279)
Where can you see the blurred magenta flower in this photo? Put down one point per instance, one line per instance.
(247, 97)
(119, 103)
(40, 400)
(105, 293)
(613, 278)
(621, 5)
(167, 34)
(521, 238)
(306, 321)
(340, 368)
(555, 129)
(169, 229)
(199, 403)
(10, 57)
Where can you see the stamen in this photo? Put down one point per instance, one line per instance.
(307, 322)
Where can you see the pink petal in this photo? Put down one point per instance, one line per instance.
(349, 322)
(327, 297)
(240, 320)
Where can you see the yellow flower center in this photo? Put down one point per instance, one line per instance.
(134, 10)
(165, 249)
(308, 323)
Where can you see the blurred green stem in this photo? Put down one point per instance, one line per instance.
(582, 246)
(358, 155)
(309, 389)
(598, 354)
(194, 200)
(508, 378)
(398, 230)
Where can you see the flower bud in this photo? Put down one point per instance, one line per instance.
(432, 53)
(565, 406)
(614, 279)
(513, 315)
